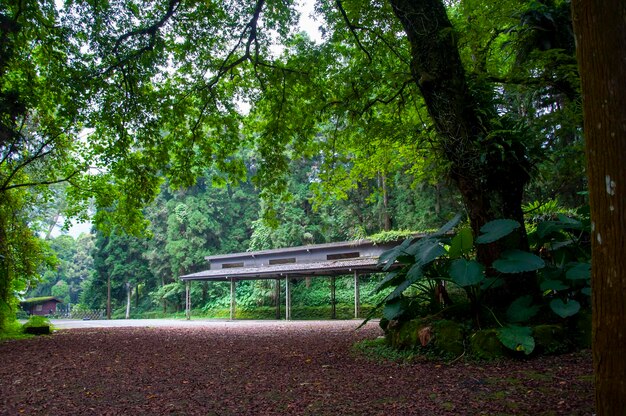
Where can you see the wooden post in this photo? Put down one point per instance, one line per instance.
(188, 299)
(332, 298)
(357, 296)
(233, 300)
(287, 299)
(277, 297)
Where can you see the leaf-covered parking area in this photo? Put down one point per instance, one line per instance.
(271, 368)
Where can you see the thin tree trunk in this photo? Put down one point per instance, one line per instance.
(438, 199)
(129, 295)
(600, 29)
(385, 214)
(53, 224)
(108, 297)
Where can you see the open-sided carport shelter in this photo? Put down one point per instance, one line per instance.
(320, 260)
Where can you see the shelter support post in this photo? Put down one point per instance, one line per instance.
(357, 296)
(233, 298)
(333, 301)
(287, 299)
(188, 299)
(277, 297)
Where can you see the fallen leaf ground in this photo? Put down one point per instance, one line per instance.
(289, 368)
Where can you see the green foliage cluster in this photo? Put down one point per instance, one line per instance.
(559, 262)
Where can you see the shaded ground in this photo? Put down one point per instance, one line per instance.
(274, 368)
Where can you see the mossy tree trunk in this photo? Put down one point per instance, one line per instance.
(600, 28)
(490, 169)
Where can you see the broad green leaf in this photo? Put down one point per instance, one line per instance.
(390, 279)
(388, 258)
(466, 272)
(586, 291)
(563, 309)
(581, 271)
(560, 244)
(522, 309)
(430, 253)
(392, 310)
(553, 285)
(426, 250)
(495, 230)
(397, 292)
(517, 338)
(462, 243)
(548, 227)
(570, 223)
(448, 226)
(413, 275)
(517, 261)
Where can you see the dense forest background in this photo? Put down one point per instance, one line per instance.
(188, 224)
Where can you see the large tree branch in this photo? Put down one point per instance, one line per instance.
(352, 29)
(40, 183)
(151, 30)
(39, 153)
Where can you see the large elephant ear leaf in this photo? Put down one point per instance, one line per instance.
(388, 258)
(496, 229)
(580, 271)
(462, 243)
(517, 338)
(466, 272)
(394, 309)
(522, 309)
(518, 261)
(429, 252)
(564, 309)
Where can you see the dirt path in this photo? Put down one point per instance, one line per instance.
(270, 368)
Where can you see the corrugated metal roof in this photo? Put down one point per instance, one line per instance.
(325, 268)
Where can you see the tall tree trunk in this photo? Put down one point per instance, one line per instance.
(489, 170)
(129, 295)
(5, 271)
(108, 297)
(600, 29)
(386, 220)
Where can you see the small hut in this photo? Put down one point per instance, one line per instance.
(45, 305)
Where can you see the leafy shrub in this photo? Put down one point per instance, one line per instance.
(420, 269)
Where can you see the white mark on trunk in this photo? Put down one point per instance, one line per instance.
(599, 126)
(599, 238)
(611, 208)
(593, 226)
(612, 134)
(610, 185)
